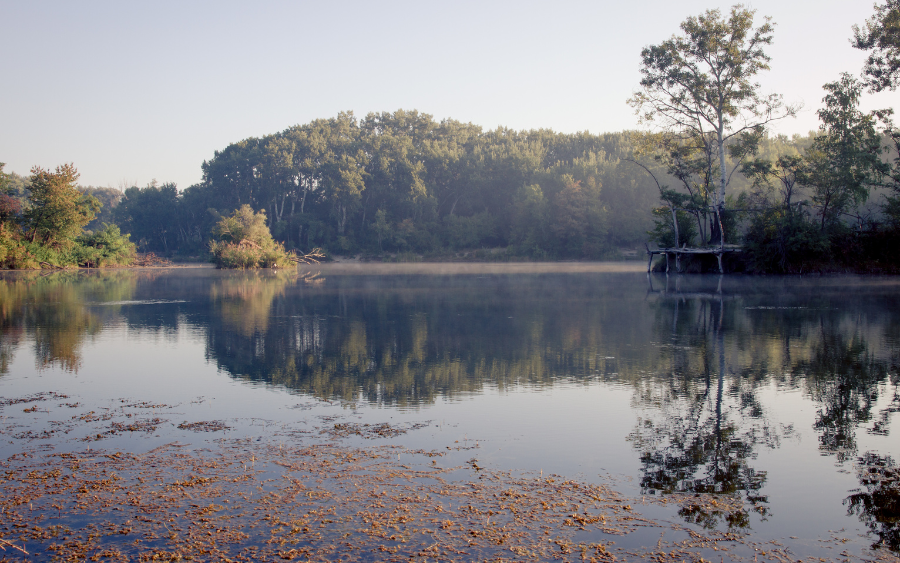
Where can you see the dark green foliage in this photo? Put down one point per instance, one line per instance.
(844, 161)
(109, 199)
(782, 240)
(663, 232)
(468, 232)
(150, 215)
(401, 182)
(881, 36)
(831, 178)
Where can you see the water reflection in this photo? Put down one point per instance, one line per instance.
(699, 353)
(877, 502)
(50, 310)
(405, 341)
(244, 301)
(703, 423)
(835, 347)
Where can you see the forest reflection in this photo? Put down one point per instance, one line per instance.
(698, 352)
(50, 311)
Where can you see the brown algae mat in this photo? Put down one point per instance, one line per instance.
(309, 496)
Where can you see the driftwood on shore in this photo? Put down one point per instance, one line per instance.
(150, 259)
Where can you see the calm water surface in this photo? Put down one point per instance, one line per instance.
(783, 391)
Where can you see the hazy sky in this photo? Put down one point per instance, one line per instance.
(133, 91)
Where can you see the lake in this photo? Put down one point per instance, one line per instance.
(452, 412)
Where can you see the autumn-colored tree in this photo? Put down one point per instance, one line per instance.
(9, 206)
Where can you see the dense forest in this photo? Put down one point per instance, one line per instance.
(403, 183)
(707, 171)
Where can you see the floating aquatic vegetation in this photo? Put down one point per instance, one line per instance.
(292, 497)
(204, 426)
(381, 430)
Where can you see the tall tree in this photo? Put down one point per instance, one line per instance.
(58, 211)
(881, 36)
(700, 84)
(845, 159)
(343, 168)
(150, 214)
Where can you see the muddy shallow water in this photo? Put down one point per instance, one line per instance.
(461, 412)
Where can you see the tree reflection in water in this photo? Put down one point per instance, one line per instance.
(877, 502)
(702, 428)
(845, 377)
(49, 309)
(700, 436)
(696, 357)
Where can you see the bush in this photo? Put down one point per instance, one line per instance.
(107, 247)
(469, 232)
(246, 243)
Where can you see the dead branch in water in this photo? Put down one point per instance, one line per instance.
(6, 543)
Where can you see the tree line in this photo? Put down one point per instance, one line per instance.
(401, 182)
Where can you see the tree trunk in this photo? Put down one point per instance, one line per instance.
(342, 218)
(675, 225)
(716, 235)
(281, 211)
(362, 224)
(455, 201)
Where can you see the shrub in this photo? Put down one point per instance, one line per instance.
(106, 247)
(246, 243)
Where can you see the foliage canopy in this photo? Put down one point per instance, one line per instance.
(699, 88)
(881, 36)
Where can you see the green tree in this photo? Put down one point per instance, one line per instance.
(881, 36)
(105, 247)
(343, 169)
(844, 161)
(781, 237)
(699, 85)
(150, 215)
(109, 198)
(58, 211)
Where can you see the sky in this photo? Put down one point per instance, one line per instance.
(135, 91)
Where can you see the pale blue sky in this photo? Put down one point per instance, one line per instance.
(134, 91)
